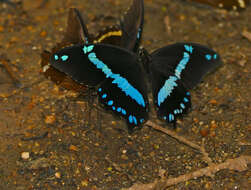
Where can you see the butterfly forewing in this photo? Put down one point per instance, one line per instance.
(189, 62)
(76, 31)
(122, 87)
(132, 26)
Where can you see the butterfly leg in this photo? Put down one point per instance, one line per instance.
(144, 58)
(5, 63)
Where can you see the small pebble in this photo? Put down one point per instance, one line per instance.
(73, 148)
(49, 119)
(25, 155)
(124, 151)
(57, 175)
(84, 183)
(204, 132)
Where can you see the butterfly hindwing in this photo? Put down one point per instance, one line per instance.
(171, 98)
(111, 35)
(122, 102)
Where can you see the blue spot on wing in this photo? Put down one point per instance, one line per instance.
(110, 102)
(64, 57)
(130, 119)
(104, 95)
(134, 120)
(186, 100)
(88, 49)
(208, 57)
(56, 57)
(123, 112)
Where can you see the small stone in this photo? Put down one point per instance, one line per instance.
(109, 169)
(84, 183)
(204, 132)
(25, 155)
(73, 148)
(58, 175)
(124, 151)
(213, 102)
(49, 119)
(1, 29)
(43, 33)
(124, 157)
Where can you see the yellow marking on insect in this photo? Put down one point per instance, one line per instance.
(108, 34)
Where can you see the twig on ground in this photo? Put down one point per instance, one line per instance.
(183, 140)
(246, 34)
(238, 164)
(19, 90)
(6, 64)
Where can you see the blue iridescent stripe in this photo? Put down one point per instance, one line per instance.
(170, 83)
(182, 65)
(167, 89)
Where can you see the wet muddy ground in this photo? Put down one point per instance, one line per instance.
(51, 140)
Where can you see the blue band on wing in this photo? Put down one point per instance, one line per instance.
(182, 64)
(189, 48)
(121, 82)
(170, 83)
(167, 89)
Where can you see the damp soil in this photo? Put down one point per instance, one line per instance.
(52, 138)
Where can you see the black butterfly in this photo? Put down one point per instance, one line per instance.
(226, 4)
(127, 35)
(120, 78)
